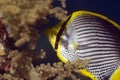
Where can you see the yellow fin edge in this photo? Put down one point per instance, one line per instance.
(116, 74)
(82, 12)
(84, 72)
(60, 56)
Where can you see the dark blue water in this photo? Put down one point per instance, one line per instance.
(109, 8)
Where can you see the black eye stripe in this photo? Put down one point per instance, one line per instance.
(61, 32)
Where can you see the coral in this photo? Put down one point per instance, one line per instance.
(20, 17)
(60, 71)
(57, 71)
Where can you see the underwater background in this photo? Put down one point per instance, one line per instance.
(26, 22)
(108, 8)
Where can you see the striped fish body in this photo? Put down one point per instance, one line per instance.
(97, 39)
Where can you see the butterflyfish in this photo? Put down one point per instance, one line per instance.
(89, 35)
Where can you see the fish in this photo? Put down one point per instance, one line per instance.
(89, 35)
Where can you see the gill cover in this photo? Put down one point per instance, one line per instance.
(56, 34)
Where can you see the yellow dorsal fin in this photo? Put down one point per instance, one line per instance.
(82, 12)
(116, 74)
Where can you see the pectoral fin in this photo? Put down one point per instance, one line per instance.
(116, 74)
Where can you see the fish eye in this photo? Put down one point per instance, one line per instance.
(64, 41)
(64, 37)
